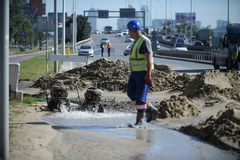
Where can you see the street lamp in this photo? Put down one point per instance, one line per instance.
(46, 34)
(228, 14)
(166, 18)
(190, 18)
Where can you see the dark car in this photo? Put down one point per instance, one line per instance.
(173, 39)
(198, 43)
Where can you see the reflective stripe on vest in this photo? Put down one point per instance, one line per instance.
(138, 62)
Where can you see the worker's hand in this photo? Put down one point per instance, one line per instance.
(149, 80)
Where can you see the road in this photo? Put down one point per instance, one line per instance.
(118, 47)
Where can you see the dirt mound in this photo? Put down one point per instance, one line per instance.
(111, 75)
(223, 129)
(177, 107)
(212, 84)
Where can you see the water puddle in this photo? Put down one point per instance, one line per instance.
(165, 144)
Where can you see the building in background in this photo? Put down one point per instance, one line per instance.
(221, 23)
(148, 22)
(34, 8)
(93, 20)
(158, 23)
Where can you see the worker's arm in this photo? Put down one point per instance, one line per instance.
(149, 63)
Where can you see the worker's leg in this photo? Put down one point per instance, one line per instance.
(131, 92)
(141, 97)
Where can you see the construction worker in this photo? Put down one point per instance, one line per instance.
(109, 46)
(102, 48)
(141, 66)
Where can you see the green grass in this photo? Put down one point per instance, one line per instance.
(28, 100)
(35, 68)
(27, 51)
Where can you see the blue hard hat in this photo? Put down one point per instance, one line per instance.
(133, 25)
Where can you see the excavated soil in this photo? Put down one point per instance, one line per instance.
(178, 107)
(222, 129)
(214, 84)
(111, 75)
(213, 87)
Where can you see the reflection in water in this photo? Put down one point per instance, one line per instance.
(165, 144)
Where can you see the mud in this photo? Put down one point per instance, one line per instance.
(212, 87)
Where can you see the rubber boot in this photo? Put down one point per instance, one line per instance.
(151, 113)
(140, 118)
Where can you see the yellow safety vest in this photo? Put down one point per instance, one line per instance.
(235, 54)
(138, 62)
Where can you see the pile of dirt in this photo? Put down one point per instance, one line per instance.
(223, 129)
(214, 84)
(177, 107)
(111, 75)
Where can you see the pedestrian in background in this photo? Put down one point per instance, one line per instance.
(102, 48)
(141, 66)
(109, 46)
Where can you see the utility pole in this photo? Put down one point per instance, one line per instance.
(4, 80)
(228, 13)
(191, 19)
(55, 35)
(74, 28)
(46, 34)
(166, 18)
(63, 27)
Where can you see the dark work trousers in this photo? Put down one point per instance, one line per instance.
(102, 50)
(109, 49)
(137, 88)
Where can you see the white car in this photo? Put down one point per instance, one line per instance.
(125, 31)
(119, 34)
(105, 41)
(180, 47)
(86, 50)
(127, 50)
(128, 39)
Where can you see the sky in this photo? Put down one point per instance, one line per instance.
(207, 11)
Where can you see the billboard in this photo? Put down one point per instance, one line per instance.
(185, 18)
(60, 16)
(127, 12)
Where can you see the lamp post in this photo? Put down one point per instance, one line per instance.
(46, 34)
(166, 18)
(191, 18)
(228, 13)
(55, 35)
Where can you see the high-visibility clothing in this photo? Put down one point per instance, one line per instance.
(235, 52)
(109, 45)
(138, 61)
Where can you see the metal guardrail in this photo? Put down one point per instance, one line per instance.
(200, 56)
(70, 58)
(83, 41)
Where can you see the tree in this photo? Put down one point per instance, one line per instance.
(20, 25)
(83, 27)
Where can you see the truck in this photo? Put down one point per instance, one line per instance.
(203, 35)
(224, 39)
(108, 29)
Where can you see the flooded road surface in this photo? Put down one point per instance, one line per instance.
(166, 144)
